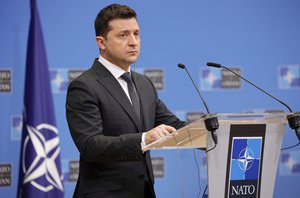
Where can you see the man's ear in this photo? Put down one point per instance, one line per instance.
(100, 40)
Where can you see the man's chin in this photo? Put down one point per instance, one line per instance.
(132, 59)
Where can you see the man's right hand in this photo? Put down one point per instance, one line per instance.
(158, 132)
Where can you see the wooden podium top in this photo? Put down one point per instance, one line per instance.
(193, 135)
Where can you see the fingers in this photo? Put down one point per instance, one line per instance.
(170, 129)
(164, 130)
(158, 132)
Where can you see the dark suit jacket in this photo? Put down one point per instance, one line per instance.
(107, 133)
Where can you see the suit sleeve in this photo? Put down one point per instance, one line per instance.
(85, 123)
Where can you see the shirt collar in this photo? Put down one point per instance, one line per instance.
(115, 70)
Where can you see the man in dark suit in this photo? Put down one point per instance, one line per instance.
(110, 116)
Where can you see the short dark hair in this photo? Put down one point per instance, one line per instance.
(110, 12)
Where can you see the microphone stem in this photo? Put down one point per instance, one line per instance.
(197, 90)
(257, 87)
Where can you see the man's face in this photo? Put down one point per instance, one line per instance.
(122, 44)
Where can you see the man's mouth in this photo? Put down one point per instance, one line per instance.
(133, 52)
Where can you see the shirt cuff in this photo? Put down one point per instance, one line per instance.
(143, 143)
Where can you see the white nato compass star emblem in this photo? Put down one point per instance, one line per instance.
(245, 159)
(40, 166)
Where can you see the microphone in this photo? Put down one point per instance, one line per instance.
(211, 122)
(293, 118)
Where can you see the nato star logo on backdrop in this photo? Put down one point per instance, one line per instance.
(217, 79)
(210, 79)
(289, 164)
(59, 80)
(245, 158)
(289, 77)
(16, 127)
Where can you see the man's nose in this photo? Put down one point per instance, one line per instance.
(133, 39)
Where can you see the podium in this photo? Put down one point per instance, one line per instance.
(244, 161)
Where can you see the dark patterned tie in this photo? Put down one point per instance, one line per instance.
(132, 92)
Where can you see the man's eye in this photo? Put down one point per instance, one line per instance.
(122, 35)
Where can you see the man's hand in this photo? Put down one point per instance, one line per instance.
(158, 132)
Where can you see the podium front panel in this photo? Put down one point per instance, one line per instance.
(244, 162)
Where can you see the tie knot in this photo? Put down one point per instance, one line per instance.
(126, 76)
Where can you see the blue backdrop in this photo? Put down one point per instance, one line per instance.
(260, 39)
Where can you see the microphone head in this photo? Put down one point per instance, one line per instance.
(180, 65)
(211, 64)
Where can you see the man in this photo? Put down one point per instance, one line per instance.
(110, 116)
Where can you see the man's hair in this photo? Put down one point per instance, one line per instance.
(113, 11)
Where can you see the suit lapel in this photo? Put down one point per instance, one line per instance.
(108, 81)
